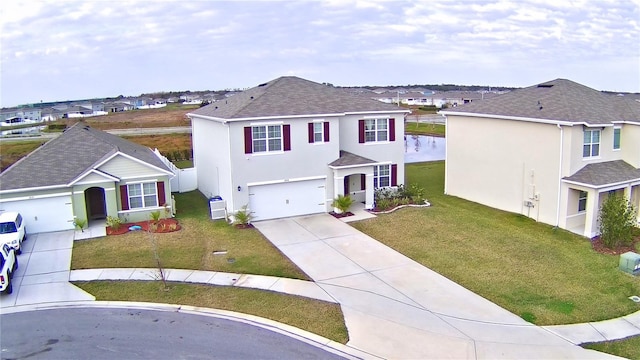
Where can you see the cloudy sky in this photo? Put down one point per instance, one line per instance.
(63, 50)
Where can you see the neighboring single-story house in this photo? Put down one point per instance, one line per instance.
(290, 146)
(552, 152)
(87, 174)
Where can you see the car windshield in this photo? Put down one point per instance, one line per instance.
(7, 228)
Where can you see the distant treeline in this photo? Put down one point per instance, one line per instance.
(444, 87)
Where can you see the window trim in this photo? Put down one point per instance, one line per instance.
(617, 129)
(390, 130)
(142, 195)
(591, 143)
(285, 138)
(377, 177)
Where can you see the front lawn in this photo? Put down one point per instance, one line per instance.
(432, 129)
(628, 348)
(318, 317)
(546, 275)
(248, 252)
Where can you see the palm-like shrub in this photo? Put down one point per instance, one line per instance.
(342, 203)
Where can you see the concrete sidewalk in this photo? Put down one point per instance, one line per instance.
(397, 308)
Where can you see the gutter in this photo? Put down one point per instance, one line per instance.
(560, 175)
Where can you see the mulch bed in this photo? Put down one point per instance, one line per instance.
(341, 215)
(244, 226)
(163, 226)
(598, 246)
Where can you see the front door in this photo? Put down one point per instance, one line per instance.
(96, 205)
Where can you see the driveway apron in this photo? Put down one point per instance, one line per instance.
(43, 272)
(397, 308)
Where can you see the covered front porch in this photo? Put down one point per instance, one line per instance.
(353, 175)
(588, 188)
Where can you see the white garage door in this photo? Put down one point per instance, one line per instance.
(286, 199)
(44, 214)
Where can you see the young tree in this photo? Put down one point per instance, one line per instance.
(617, 219)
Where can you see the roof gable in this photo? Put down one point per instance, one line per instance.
(292, 96)
(556, 100)
(65, 158)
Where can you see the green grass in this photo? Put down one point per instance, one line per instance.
(183, 164)
(546, 275)
(190, 248)
(312, 315)
(415, 128)
(628, 348)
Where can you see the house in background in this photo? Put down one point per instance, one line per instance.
(553, 152)
(86, 174)
(290, 146)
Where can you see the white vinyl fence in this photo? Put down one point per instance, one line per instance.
(184, 179)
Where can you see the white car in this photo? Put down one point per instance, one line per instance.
(12, 230)
(9, 264)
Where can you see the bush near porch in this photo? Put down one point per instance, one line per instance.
(546, 275)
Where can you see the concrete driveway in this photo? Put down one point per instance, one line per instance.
(397, 308)
(43, 272)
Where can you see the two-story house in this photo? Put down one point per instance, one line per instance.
(290, 146)
(552, 152)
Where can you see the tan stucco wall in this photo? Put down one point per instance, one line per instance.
(630, 144)
(502, 163)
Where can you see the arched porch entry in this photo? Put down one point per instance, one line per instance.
(95, 203)
(353, 176)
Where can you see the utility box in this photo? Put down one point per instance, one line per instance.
(630, 263)
(218, 208)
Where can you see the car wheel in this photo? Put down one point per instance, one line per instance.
(18, 251)
(9, 288)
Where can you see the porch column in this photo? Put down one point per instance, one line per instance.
(338, 185)
(591, 220)
(368, 200)
(627, 193)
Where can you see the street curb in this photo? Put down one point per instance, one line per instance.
(267, 324)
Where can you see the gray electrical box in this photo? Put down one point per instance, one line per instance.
(630, 263)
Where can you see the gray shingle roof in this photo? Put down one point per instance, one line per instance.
(62, 159)
(348, 159)
(559, 99)
(605, 173)
(291, 96)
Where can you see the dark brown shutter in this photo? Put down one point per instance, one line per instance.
(394, 175)
(311, 138)
(161, 196)
(286, 137)
(363, 181)
(346, 185)
(124, 197)
(392, 129)
(326, 131)
(361, 131)
(248, 145)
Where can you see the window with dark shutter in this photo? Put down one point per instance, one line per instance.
(248, 146)
(311, 133)
(286, 136)
(392, 129)
(326, 131)
(394, 175)
(161, 196)
(124, 197)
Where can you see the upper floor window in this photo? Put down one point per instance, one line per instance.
(616, 138)
(318, 132)
(591, 144)
(142, 195)
(582, 201)
(376, 130)
(266, 138)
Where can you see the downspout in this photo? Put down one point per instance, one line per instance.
(559, 174)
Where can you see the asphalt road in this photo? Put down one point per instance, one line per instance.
(120, 132)
(103, 333)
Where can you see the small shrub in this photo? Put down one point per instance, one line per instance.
(80, 223)
(155, 215)
(177, 156)
(168, 156)
(242, 216)
(186, 154)
(114, 222)
(342, 203)
(617, 221)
